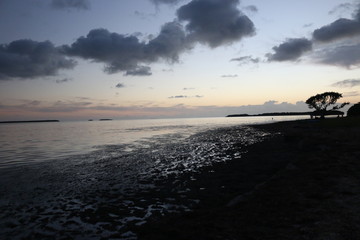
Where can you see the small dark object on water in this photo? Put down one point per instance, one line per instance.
(31, 121)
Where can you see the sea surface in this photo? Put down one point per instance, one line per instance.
(100, 179)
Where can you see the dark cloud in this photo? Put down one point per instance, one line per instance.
(118, 52)
(290, 50)
(168, 44)
(229, 76)
(341, 28)
(126, 52)
(139, 71)
(215, 22)
(30, 59)
(343, 55)
(348, 83)
(120, 85)
(246, 60)
(68, 4)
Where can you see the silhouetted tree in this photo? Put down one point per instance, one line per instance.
(320, 102)
(354, 111)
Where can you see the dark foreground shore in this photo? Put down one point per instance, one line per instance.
(303, 183)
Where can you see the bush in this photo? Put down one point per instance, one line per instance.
(354, 111)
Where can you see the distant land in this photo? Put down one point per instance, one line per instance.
(271, 114)
(31, 121)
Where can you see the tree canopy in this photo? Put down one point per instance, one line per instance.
(320, 102)
(354, 110)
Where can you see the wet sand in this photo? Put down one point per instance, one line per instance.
(303, 183)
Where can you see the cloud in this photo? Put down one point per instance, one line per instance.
(178, 96)
(245, 60)
(139, 71)
(26, 59)
(85, 109)
(341, 7)
(229, 76)
(290, 50)
(351, 94)
(168, 44)
(120, 85)
(118, 52)
(341, 28)
(126, 52)
(348, 83)
(186, 89)
(215, 22)
(307, 25)
(64, 80)
(251, 8)
(68, 4)
(341, 55)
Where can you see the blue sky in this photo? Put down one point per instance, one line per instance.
(81, 59)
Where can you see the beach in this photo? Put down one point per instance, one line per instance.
(303, 183)
(284, 180)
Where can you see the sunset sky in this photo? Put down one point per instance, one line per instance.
(82, 59)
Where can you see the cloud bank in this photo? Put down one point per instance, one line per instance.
(126, 52)
(86, 108)
(210, 22)
(338, 38)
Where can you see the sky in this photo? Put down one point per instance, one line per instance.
(129, 59)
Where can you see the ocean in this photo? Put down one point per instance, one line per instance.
(102, 179)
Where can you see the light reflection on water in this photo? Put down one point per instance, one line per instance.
(104, 178)
(36, 142)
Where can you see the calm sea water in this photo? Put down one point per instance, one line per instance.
(36, 142)
(102, 180)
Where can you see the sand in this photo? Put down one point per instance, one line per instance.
(303, 183)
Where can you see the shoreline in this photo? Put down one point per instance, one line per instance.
(247, 186)
(309, 188)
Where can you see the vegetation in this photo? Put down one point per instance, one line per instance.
(354, 111)
(321, 102)
(270, 114)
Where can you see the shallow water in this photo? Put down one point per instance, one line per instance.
(104, 187)
(22, 144)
